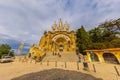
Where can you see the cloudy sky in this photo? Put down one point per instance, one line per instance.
(26, 20)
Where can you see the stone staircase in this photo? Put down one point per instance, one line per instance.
(65, 56)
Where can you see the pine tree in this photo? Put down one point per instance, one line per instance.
(83, 41)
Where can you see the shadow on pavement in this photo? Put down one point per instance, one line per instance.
(57, 74)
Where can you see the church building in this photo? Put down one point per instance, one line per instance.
(59, 39)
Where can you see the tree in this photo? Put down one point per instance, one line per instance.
(95, 35)
(98, 45)
(117, 23)
(83, 41)
(5, 49)
(113, 26)
(116, 43)
(104, 36)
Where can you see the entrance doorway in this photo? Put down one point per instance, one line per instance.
(61, 48)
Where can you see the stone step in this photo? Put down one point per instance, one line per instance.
(69, 56)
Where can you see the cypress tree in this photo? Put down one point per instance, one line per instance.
(83, 41)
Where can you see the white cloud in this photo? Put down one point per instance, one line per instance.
(26, 20)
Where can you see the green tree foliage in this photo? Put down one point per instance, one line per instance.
(83, 40)
(116, 43)
(117, 23)
(113, 26)
(106, 35)
(5, 50)
(98, 45)
(95, 35)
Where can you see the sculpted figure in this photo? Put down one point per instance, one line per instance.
(54, 27)
(66, 26)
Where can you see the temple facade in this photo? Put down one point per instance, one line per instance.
(59, 39)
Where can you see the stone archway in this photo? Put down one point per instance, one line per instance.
(61, 47)
(110, 58)
(94, 57)
(61, 43)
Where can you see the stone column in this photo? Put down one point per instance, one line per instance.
(117, 55)
(88, 55)
(100, 56)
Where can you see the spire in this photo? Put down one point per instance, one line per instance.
(66, 22)
(54, 22)
(66, 26)
(60, 26)
(54, 26)
(60, 23)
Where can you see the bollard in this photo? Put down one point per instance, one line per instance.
(55, 63)
(47, 63)
(26, 60)
(77, 65)
(85, 64)
(94, 68)
(65, 65)
(116, 70)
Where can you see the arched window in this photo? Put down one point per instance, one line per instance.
(69, 44)
(52, 44)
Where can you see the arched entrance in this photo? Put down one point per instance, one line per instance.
(61, 48)
(94, 57)
(61, 43)
(110, 58)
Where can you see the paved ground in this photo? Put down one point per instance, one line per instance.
(16, 69)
